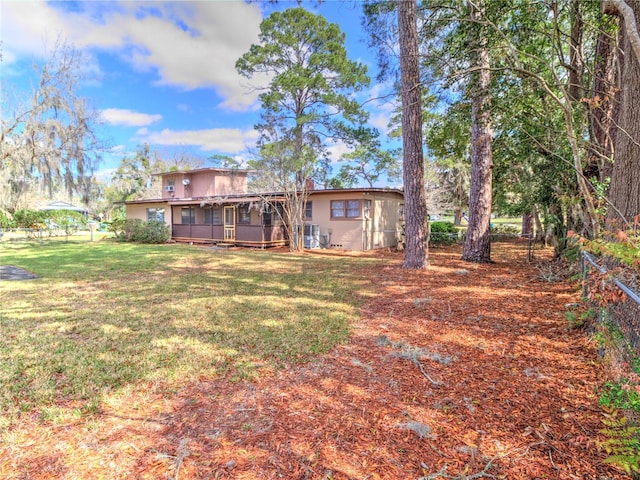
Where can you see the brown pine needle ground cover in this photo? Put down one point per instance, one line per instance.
(463, 371)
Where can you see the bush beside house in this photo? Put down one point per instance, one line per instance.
(139, 231)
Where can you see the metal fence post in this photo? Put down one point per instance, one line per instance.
(583, 261)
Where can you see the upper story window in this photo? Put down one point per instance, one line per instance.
(170, 186)
(345, 209)
(308, 210)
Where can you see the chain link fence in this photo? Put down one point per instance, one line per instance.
(613, 289)
(41, 235)
(525, 242)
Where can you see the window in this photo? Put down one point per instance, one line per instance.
(337, 208)
(345, 208)
(213, 216)
(353, 208)
(244, 214)
(155, 214)
(308, 210)
(188, 215)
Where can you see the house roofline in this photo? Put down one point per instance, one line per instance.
(238, 198)
(206, 169)
(356, 190)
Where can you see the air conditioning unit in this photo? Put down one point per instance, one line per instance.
(168, 188)
(311, 236)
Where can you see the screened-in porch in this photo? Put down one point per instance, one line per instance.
(254, 223)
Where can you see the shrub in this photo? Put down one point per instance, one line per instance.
(443, 233)
(29, 218)
(6, 220)
(154, 231)
(136, 230)
(505, 229)
(67, 221)
(116, 226)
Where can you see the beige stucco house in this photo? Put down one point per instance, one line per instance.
(213, 205)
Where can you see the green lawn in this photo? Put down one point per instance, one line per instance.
(105, 316)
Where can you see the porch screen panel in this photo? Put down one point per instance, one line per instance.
(188, 215)
(244, 214)
(213, 216)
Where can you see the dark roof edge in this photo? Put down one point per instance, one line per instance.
(240, 196)
(205, 169)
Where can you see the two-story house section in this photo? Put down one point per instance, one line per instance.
(213, 205)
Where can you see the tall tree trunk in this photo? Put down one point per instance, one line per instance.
(576, 64)
(625, 180)
(539, 227)
(415, 204)
(457, 217)
(527, 224)
(557, 231)
(604, 109)
(477, 247)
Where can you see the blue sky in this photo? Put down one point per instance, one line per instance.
(163, 73)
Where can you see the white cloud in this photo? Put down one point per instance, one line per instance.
(381, 121)
(127, 118)
(337, 150)
(188, 44)
(382, 105)
(228, 140)
(105, 175)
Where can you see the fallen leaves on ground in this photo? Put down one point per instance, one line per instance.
(459, 371)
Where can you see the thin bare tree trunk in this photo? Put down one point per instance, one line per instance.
(539, 227)
(527, 224)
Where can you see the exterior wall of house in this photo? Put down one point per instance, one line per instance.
(141, 210)
(235, 183)
(342, 233)
(374, 227)
(203, 183)
(173, 180)
(385, 220)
